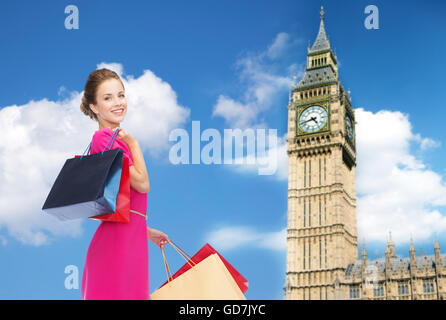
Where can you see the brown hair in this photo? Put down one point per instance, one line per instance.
(94, 80)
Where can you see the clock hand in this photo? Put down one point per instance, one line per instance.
(306, 121)
(312, 119)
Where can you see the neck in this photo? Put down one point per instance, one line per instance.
(110, 125)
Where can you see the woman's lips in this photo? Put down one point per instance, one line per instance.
(118, 111)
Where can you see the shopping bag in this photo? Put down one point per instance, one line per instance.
(87, 186)
(203, 253)
(207, 280)
(122, 212)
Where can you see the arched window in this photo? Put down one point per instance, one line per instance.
(309, 211)
(309, 254)
(309, 175)
(320, 212)
(325, 248)
(320, 255)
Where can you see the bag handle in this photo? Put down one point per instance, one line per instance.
(88, 148)
(181, 251)
(112, 139)
(169, 274)
(183, 254)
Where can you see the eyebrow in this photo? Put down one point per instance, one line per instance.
(109, 94)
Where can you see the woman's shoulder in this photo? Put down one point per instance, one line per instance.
(101, 139)
(102, 134)
(104, 131)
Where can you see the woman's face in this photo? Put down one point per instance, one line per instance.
(111, 105)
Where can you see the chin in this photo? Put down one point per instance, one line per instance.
(117, 119)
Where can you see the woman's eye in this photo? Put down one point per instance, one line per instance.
(108, 98)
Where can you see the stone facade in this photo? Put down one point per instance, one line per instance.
(393, 278)
(322, 242)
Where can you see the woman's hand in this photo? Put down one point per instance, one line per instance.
(139, 179)
(157, 237)
(125, 137)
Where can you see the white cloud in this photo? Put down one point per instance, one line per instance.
(228, 238)
(264, 85)
(395, 189)
(238, 114)
(116, 67)
(3, 240)
(274, 162)
(279, 45)
(39, 136)
(154, 111)
(427, 143)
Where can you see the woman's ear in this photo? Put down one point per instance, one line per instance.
(93, 108)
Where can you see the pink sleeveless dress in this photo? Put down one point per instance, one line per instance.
(117, 261)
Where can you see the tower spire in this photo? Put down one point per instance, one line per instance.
(321, 62)
(390, 246)
(436, 245)
(411, 248)
(321, 42)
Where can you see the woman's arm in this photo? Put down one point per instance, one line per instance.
(139, 179)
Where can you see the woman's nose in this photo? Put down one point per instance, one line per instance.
(116, 101)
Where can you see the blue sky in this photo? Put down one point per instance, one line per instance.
(206, 50)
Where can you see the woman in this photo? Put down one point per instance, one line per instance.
(116, 265)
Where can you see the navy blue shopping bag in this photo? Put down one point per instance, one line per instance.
(87, 186)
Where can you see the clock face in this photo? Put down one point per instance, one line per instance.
(313, 119)
(349, 127)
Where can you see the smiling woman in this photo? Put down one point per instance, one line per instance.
(98, 95)
(116, 265)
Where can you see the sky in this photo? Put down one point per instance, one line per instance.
(223, 65)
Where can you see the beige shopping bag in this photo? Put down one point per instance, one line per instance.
(207, 280)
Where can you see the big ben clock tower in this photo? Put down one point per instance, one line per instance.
(322, 232)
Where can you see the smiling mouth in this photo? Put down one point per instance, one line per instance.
(118, 111)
